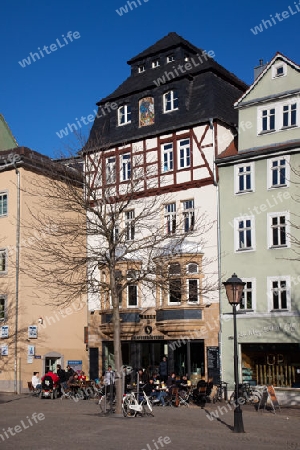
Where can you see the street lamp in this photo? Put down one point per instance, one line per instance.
(234, 289)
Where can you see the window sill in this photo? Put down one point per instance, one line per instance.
(278, 186)
(171, 110)
(279, 310)
(185, 167)
(288, 127)
(275, 247)
(261, 133)
(247, 191)
(248, 249)
(123, 124)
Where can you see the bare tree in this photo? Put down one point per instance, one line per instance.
(89, 225)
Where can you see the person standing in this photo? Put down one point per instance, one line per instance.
(163, 369)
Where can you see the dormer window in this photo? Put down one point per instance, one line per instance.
(186, 57)
(279, 70)
(170, 58)
(155, 63)
(141, 68)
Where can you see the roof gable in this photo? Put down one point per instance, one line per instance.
(266, 86)
(7, 139)
(168, 42)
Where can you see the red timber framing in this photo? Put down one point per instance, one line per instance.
(96, 162)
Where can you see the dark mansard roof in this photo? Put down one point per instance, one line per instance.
(205, 91)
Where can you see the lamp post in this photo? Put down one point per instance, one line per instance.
(234, 289)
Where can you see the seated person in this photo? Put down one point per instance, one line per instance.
(200, 393)
(35, 380)
(73, 380)
(151, 391)
(171, 381)
(82, 377)
(183, 385)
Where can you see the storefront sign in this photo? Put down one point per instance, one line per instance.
(145, 338)
(213, 364)
(76, 364)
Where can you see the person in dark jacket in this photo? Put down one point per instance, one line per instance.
(163, 370)
(200, 393)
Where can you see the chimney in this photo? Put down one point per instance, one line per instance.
(258, 70)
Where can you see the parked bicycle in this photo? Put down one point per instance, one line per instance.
(131, 406)
(221, 392)
(247, 395)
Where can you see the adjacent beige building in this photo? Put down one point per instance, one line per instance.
(35, 335)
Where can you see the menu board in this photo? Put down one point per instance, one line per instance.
(213, 364)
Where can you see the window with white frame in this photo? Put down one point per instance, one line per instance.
(193, 289)
(3, 204)
(175, 291)
(278, 229)
(278, 116)
(170, 101)
(267, 120)
(188, 215)
(3, 261)
(279, 70)
(244, 178)
(111, 170)
(278, 172)
(244, 233)
(132, 296)
(141, 68)
(170, 218)
(192, 268)
(113, 224)
(170, 58)
(155, 63)
(184, 154)
(248, 296)
(126, 167)
(289, 118)
(124, 114)
(2, 307)
(129, 225)
(279, 293)
(167, 150)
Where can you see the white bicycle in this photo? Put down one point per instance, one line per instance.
(131, 407)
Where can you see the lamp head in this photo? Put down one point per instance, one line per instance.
(234, 289)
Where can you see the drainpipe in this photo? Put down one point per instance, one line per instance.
(218, 244)
(16, 387)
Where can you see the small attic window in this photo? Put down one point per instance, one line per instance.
(155, 63)
(170, 58)
(186, 57)
(279, 70)
(141, 68)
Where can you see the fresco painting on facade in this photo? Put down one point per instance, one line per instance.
(146, 108)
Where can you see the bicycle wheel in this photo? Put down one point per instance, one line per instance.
(103, 404)
(127, 411)
(255, 397)
(147, 406)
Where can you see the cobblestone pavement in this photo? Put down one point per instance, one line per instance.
(31, 423)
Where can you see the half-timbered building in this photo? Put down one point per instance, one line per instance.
(164, 125)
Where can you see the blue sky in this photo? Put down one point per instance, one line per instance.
(40, 99)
